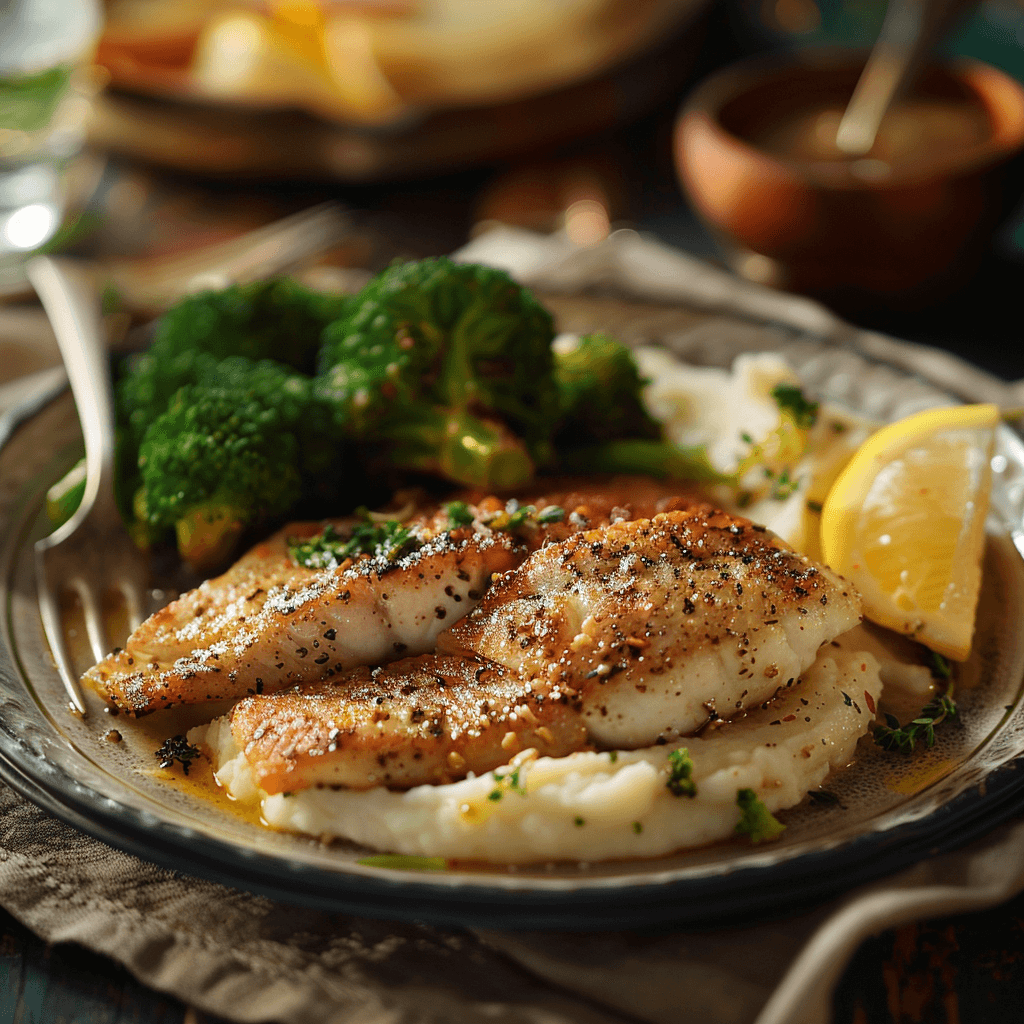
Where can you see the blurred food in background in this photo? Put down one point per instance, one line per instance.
(374, 61)
(366, 90)
(582, 195)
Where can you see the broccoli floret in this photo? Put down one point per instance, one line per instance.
(213, 463)
(216, 344)
(147, 393)
(148, 383)
(449, 366)
(278, 319)
(248, 442)
(457, 445)
(599, 388)
(310, 420)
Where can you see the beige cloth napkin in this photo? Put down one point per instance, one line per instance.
(248, 958)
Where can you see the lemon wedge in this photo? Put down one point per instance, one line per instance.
(905, 523)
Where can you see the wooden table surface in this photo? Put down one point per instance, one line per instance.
(954, 970)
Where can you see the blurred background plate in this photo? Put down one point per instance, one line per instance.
(380, 90)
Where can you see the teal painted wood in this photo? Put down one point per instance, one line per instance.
(67, 984)
(11, 967)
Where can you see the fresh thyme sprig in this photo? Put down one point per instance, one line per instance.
(903, 738)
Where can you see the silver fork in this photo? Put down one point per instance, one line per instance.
(91, 554)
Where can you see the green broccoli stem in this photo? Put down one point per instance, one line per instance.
(459, 446)
(456, 377)
(207, 534)
(641, 457)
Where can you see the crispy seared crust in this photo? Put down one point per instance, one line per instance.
(363, 613)
(421, 720)
(661, 624)
(626, 636)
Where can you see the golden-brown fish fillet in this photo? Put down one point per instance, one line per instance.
(660, 625)
(421, 720)
(363, 613)
(268, 623)
(623, 637)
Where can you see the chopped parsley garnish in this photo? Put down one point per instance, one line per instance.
(404, 862)
(517, 517)
(637, 827)
(391, 540)
(328, 549)
(579, 822)
(680, 781)
(791, 400)
(459, 514)
(784, 486)
(177, 748)
(509, 781)
(893, 736)
(756, 821)
(775, 458)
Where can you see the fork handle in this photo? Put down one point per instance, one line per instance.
(69, 298)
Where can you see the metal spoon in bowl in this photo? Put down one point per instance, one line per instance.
(910, 31)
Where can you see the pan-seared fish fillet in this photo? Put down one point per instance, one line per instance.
(420, 720)
(268, 623)
(364, 613)
(660, 625)
(628, 636)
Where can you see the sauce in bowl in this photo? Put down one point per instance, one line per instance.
(913, 129)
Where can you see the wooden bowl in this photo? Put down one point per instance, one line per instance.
(754, 148)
